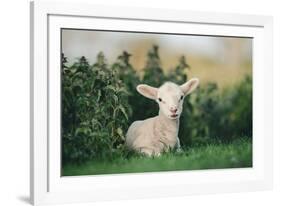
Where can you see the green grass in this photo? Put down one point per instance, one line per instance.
(215, 156)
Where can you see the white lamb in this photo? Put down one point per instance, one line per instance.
(158, 134)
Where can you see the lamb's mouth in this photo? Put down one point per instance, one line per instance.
(174, 115)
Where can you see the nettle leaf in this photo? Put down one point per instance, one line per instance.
(96, 122)
(123, 110)
(115, 97)
(99, 95)
(82, 131)
(123, 90)
(111, 88)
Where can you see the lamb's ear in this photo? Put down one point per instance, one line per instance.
(189, 86)
(147, 91)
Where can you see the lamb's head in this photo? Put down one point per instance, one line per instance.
(169, 96)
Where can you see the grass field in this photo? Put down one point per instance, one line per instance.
(214, 156)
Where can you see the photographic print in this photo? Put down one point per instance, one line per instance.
(134, 102)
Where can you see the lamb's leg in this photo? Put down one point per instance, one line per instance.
(149, 152)
(178, 146)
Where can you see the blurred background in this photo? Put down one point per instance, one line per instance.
(223, 60)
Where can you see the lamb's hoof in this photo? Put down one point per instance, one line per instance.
(158, 154)
(154, 155)
(179, 150)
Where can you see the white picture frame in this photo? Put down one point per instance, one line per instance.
(47, 185)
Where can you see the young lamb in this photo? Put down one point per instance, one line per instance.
(158, 134)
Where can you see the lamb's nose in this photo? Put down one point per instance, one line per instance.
(173, 110)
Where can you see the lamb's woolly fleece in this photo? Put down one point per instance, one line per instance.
(155, 135)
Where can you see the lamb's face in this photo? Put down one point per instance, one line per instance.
(170, 99)
(169, 96)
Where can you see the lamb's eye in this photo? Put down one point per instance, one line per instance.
(160, 100)
(181, 97)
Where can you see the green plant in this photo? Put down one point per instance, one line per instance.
(128, 75)
(222, 115)
(95, 110)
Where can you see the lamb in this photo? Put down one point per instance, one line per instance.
(159, 134)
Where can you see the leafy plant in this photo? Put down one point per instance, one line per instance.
(224, 115)
(95, 110)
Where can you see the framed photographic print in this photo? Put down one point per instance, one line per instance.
(126, 105)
